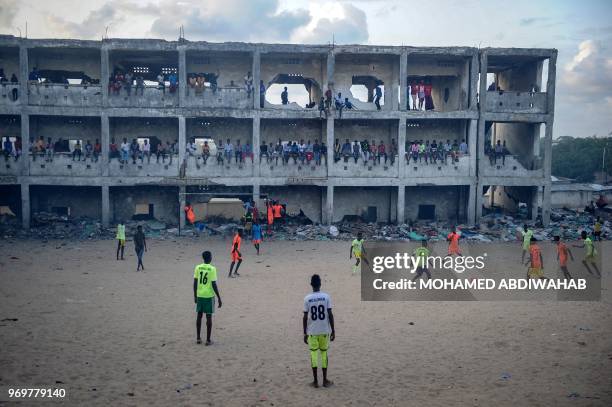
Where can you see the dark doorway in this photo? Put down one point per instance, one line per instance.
(427, 211)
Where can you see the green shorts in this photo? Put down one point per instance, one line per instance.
(206, 305)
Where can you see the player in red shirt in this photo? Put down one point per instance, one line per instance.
(453, 242)
(235, 253)
(562, 254)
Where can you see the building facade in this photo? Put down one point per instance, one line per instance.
(71, 97)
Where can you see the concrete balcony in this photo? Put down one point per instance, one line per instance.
(460, 168)
(512, 167)
(169, 168)
(10, 166)
(516, 102)
(6, 94)
(197, 169)
(291, 169)
(54, 94)
(235, 98)
(62, 164)
(359, 170)
(151, 96)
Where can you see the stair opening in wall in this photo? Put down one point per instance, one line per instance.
(427, 212)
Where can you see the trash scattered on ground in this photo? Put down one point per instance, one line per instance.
(493, 227)
(505, 376)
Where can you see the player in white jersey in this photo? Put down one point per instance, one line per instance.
(318, 322)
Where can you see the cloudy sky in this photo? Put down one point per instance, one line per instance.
(580, 30)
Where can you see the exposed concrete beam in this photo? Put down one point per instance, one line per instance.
(256, 72)
(182, 75)
(23, 75)
(403, 77)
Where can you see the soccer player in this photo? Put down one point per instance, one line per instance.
(120, 239)
(256, 235)
(140, 244)
(204, 291)
(562, 253)
(536, 269)
(421, 254)
(236, 255)
(318, 324)
(597, 229)
(270, 216)
(526, 234)
(357, 251)
(591, 253)
(453, 242)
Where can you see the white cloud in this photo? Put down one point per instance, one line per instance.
(8, 11)
(346, 24)
(588, 75)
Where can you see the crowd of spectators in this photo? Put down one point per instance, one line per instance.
(367, 151)
(11, 149)
(12, 80)
(135, 150)
(419, 151)
(420, 93)
(128, 80)
(304, 152)
(499, 151)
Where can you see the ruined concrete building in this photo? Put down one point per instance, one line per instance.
(475, 98)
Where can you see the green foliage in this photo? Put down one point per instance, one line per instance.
(581, 158)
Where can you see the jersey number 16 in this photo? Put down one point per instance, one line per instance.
(203, 277)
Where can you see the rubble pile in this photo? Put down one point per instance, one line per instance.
(493, 228)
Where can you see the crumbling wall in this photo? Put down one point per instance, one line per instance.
(355, 201)
(379, 66)
(83, 201)
(304, 197)
(450, 202)
(123, 201)
(307, 66)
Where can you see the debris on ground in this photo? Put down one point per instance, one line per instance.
(493, 227)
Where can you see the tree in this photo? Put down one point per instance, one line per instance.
(581, 158)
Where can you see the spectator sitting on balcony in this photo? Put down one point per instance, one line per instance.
(316, 151)
(393, 151)
(285, 96)
(339, 104)
(365, 150)
(161, 82)
(302, 151)
(328, 99)
(140, 85)
(373, 151)
(238, 152)
(323, 151)
(433, 150)
(115, 84)
(463, 147)
(49, 150)
(286, 152)
(247, 152)
(145, 151)
(429, 104)
(228, 150)
(278, 151)
(337, 151)
(213, 79)
(263, 152)
(381, 152)
(64, 81)
(489, 153)
(173, 79)
(205, 151)
(134, 150)
(262, 94)
(14, 91)
(499, 152)
(113, 151)
(160, 151)
(88, 151)
(455, 151)
(295, 152)
(85, 81)
(346, 151)
(356, 151)
(191, 80)
(7, 148)
(248, 84)
(309, 152)
(14, 79)
(17, 150)
(322, 108)
(77, 151)
(34, 76)
(39, 148)
(127, 83)
(492, 87)
(97, 150)
(191, 148)
(348, 104)
(377, 96)
(414, 92)
(422, 151)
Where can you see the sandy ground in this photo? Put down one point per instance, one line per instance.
(112, 336)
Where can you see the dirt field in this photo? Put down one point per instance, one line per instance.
(113, 336)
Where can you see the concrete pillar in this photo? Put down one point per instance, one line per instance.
(481, 159)
(182, 143)
(24, 71)
(535, 191)
(182, 76)
(256, 72)
(392, 101)
(473, 145)
(25, 144)
(548, 135)
(403, 80)
(331, 66)
(330, 139)
(256, 142)
(105, 141)
(25, 205)
(482, 94)
(546, 204)
(401, 204)
(105, 72)
(401, 147)
(478, 200)
(471, 210)
(536, 139)
(105, 205)
(182, 202)
(329, 205)
(550, 83)
(474, 85)
(256, 192)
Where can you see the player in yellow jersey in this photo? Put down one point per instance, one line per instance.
(591, 253)
(357, 250)
(204, 291)
(120, 239)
